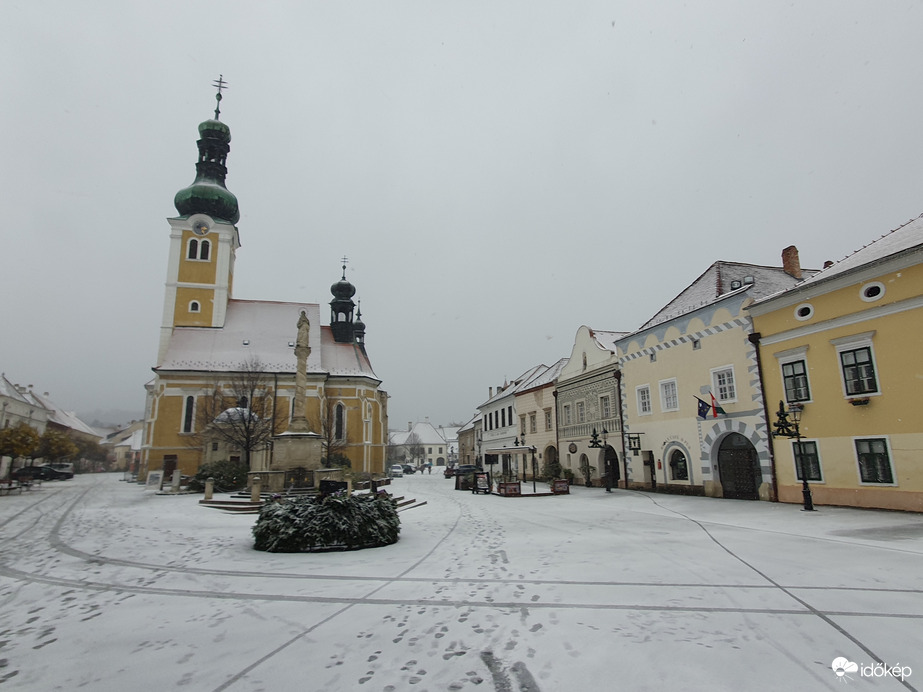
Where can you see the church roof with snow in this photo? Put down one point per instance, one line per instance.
(263, 331)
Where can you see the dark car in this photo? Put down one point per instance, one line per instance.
(408, 469)
(460, 470)
(45, 473)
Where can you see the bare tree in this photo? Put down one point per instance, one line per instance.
(415, 447)
(240, 411)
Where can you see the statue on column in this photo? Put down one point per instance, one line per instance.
(302, 351)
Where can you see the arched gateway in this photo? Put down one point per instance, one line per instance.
(739, 468)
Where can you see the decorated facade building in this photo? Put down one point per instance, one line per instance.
(222, 360)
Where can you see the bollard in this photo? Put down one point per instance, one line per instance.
(209, 488)
(174, 485)
(256, 489)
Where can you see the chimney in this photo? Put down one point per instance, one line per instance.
(490, 392)
(790, 262)
(409, 426)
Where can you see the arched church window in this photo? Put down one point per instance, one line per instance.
(188, 413)
(193, 252)
(204, 249)
(339, 422)
(194, 306)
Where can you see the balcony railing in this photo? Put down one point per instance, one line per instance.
(572, 432)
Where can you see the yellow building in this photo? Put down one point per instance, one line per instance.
(694, 415)
(209, 340)
(845, 346)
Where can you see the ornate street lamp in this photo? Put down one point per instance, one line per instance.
(791, 428)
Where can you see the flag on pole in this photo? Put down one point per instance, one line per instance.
(715, 409)
(704, 408)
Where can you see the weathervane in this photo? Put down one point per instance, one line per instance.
(219, 84)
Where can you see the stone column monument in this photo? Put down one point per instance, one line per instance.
(299, 423)
(298, 447)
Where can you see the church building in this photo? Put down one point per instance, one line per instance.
(210, 341)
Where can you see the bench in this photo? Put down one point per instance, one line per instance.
(7, 487)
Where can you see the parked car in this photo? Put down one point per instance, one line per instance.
(45, 473)
(397, 471)
(408, 469)
(460, 470)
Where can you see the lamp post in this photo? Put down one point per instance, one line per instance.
(792, 429)
(595, 444)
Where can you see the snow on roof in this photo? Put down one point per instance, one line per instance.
(8, 389)
(905, 237)
(607, 339)
(425, 432)
(543, 378)
(67, 419)
(515, 385)
(265, 331)
(716, 283)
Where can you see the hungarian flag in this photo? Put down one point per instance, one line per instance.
(715, 409)
(704, 408)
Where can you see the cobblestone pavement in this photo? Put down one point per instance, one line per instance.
(105, 586)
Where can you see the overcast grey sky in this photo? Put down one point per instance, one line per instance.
(498, 173)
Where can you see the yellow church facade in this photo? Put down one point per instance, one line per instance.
(844, 348)
(211, 342)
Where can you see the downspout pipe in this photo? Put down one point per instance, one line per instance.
(754, 338)
(618, 384)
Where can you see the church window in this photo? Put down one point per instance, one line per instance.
(193, 252)
(188, 413)
(204, 249)
(339, 422)
(194, 306)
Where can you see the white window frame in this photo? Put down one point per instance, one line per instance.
(650, 408)
(195, 306)
(549, 420)
(716, 389)
(793, 355)
(851, 343)
(565, 413)
(605, 406)
(580, 409)
(820, 462)
(664, 403)
(869, 484)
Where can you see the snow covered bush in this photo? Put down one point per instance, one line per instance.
(229, 476)
(334, 522)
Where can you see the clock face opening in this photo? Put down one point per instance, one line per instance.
(200, 228)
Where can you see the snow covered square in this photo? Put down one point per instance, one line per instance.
(106, 586)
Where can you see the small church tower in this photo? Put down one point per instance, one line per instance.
(341, 310)
(203, 238)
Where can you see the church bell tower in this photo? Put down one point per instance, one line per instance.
(203, 238)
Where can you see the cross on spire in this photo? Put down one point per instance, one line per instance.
(345, 260)
(219, 84)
